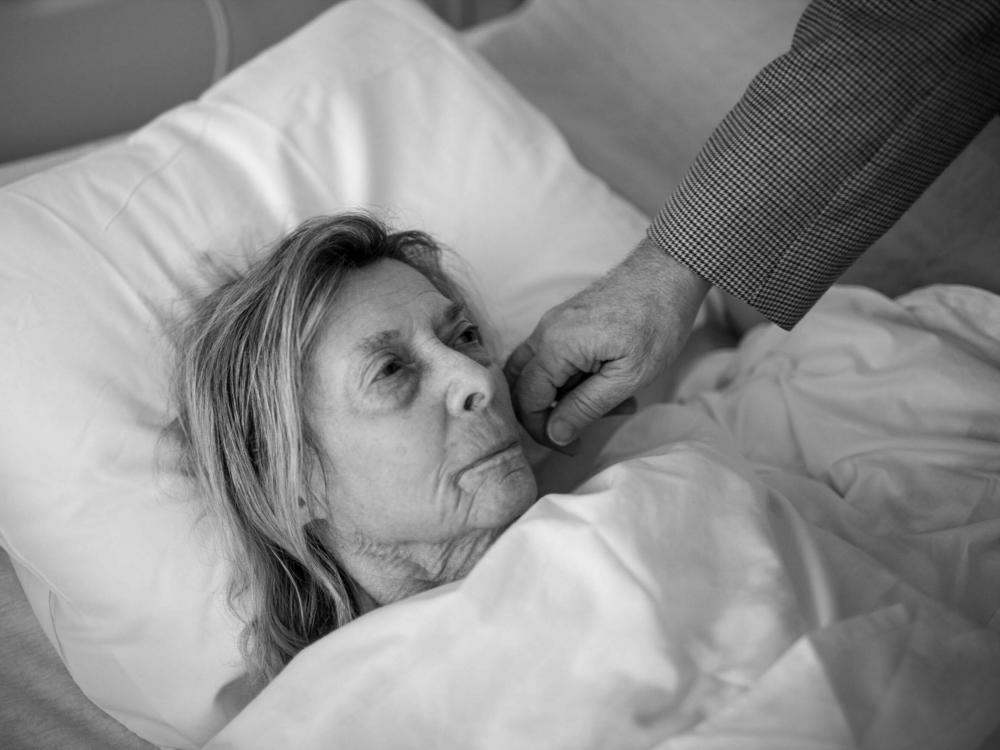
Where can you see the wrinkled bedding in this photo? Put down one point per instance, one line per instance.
(801, 553)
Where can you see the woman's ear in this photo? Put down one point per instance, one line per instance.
(312, 509)
(313, 505)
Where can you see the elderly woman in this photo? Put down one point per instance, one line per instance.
(350, 427)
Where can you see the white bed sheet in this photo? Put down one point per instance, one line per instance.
(775, 564)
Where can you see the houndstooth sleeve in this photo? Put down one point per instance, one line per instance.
(831, 143)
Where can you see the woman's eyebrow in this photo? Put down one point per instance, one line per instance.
(378, 341)
(453, 312)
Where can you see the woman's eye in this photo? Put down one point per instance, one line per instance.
(469, 336)
(390, 368)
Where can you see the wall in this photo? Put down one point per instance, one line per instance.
(73, 71)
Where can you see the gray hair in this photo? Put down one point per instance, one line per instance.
(239, 388)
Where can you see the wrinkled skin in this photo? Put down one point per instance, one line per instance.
(422, 467)
(602, 345)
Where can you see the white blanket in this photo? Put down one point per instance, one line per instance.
(805, 554)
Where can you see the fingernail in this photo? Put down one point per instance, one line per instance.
(561, 433)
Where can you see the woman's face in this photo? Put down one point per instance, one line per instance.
(413, 418)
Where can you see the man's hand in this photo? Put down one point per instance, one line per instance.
(603, 344)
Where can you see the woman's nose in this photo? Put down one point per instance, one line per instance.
(470, 386)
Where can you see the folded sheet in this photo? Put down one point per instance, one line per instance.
(797, 557)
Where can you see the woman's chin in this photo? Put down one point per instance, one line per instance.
(504, 491)
(516, 482)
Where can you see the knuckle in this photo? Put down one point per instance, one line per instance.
(585, 406)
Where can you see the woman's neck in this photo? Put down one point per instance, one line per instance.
(386, 573)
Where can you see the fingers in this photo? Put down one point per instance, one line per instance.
(545, 381)
(595, 397)
(618, 334)
(526, 395)
(536, 389)
(517, 360)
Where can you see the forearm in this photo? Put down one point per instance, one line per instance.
(831, 144)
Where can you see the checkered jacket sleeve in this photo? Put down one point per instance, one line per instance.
(831, 143)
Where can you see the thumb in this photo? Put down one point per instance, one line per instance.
(593, 398)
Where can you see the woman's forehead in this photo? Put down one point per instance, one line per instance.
(386, 288)
(383, 300)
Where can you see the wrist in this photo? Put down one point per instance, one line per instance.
(685, 289)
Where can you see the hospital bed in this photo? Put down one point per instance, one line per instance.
(850, 596)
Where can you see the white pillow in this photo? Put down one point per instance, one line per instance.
(376, 104)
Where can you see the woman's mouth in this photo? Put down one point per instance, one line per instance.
(505, 451)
